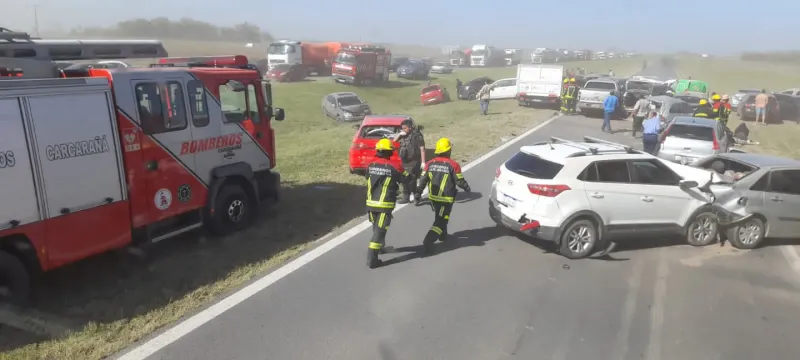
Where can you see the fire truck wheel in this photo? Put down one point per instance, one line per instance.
(233, 210)
(14, 280)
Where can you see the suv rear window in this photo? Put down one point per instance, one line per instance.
(692, 132)
(533, 166)
(600, 85)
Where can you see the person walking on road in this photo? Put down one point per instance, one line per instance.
(441, 176)
(382, 184)
(484, 96)
(412, 154)
(762, 100)
(639, 113)
(652, 127)
(568, 96)
(609, 108)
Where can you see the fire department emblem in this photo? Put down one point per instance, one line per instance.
(163, 199)
(129, 137)
(184, 193)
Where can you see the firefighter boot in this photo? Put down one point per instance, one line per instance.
(434, 234)
(376, 247)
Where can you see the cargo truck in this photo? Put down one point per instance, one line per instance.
(539, 84)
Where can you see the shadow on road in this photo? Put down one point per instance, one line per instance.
(118, 286)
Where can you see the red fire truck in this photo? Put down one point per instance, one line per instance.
(97, 159)
(362, 65)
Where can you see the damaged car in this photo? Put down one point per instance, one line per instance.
(756, 196)
(345, 106)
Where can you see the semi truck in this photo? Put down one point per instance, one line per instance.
(513, 57)
(98, 159)
(362, 65)
(545, 56)
(461, 58)
(315, 57)
(487, 56)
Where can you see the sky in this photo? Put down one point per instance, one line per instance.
(621, 25)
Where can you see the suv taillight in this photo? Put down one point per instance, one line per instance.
(497, 173)
(547, 190)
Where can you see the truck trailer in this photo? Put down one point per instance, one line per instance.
(315, 57)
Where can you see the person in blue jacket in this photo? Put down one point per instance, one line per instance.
(609, 107)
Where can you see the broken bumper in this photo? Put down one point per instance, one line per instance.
(531, 228)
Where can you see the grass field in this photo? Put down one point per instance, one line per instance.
(726, 76)
(119, 300)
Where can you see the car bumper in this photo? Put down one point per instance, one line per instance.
(547, 233)
(589, 106)
(347, 79)
(679, 158)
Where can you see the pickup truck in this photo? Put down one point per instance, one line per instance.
(595, 92)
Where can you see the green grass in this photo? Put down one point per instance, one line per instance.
(726, 76)
(121, 300)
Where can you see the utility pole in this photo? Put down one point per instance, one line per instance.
(36, 19)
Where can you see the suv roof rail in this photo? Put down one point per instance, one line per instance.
(584, 147)
(627, 148)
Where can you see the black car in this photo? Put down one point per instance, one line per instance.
(398, 62)
(469, 90)
(788, 107)
(414, 69)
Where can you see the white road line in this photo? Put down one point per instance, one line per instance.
(180, 330)
(657, 309)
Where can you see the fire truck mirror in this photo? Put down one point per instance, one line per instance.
(280, 114)
(235, 86)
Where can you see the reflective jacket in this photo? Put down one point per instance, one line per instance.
(571, 92)
(703, 111)
(441, 175)
(721, 111)
(383, 180)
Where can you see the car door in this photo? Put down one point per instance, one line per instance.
(667, 206)
(330, 102)
(608, 189)
(782, 202)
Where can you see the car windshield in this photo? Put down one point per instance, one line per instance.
(349, 100)
(684, 131)
(533, 166)
(600, 85)
(379, 132)
(345, 58)
(478, 52)
(639, 85)
(430, 89)
(280, 49)
(282, 67)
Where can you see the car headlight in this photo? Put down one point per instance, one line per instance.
(348, 115)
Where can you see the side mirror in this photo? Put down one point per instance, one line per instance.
(280, 114)
(687, 184)
(235, 86)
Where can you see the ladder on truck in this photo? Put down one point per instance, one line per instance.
(27, 57)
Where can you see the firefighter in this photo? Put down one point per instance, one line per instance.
(572, 95)
(715, 101)
(703, 110)
(441, 175)
(564, 89)
(724, 110)
(383, 180)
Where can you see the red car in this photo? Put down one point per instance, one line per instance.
(372, 129)
(434, 94)
(287, 73)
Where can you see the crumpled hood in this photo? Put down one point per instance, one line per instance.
(356, 109)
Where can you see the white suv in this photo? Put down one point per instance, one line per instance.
(576, 193)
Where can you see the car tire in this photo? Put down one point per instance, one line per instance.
(702, 230)
(15, 285)
(233, 210)
(472, 96)
(578, 239)
(748, 235)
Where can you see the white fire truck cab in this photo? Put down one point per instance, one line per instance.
(98, 159)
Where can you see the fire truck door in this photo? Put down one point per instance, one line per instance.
(243, 125)
(82, 175)
(171, 184)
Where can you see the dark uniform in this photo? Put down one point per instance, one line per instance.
(411, 155)
(382, 185)
(441, 176)
(570, 98)
(703, 111)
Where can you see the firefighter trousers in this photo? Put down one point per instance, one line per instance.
(380, 225)
(441, 213)
(568, 104)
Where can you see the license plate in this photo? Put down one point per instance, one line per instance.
(685, 159)
(537, 100)
(508, 201)
(594, 106)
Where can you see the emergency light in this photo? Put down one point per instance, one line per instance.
(234, 61)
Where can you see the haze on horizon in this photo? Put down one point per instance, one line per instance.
(642, 26)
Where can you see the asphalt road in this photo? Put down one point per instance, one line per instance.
(494, 296)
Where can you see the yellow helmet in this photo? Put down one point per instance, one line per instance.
(572, 80)
(384, 144)
(442, 146)
(566, 81)
(715, 97)
(703, 102)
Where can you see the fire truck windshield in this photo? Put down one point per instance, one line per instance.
(280, 49)
(234, 104)
(345, 58)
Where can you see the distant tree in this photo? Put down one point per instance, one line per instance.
(777, 56)
(183, 29)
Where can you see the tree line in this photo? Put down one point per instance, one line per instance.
(183, 29)
(777, 56)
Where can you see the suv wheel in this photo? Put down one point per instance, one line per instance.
(702, 231)
(748, 235)
(578, 239)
